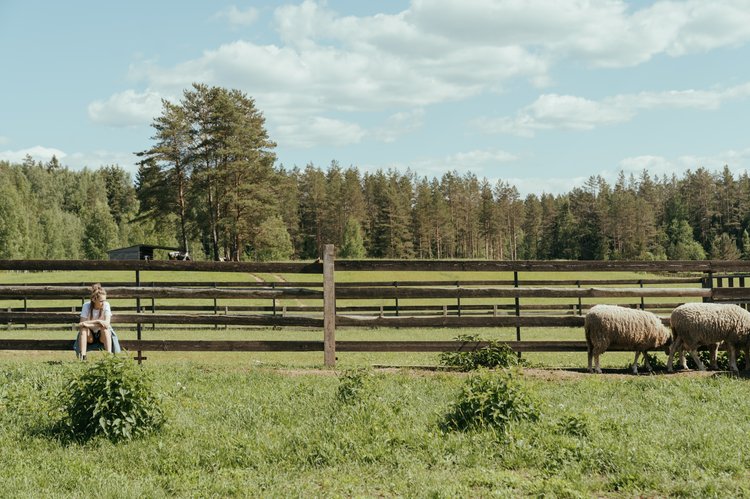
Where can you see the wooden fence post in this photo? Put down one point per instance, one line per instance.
(643, 303)
(329, 307)
(708, 283)
(138, 328)
(518, 309)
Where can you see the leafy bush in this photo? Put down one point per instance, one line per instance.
(353, 385)
(491, 400)
(495, 354)
(112, 397)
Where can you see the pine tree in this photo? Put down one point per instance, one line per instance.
(682, 245)
(531, 227)
(353, 244)
(165, 169)
(724, 247)
(100, 232)
(272, 241)
(745, 245)
(422, 220)
(312, 188)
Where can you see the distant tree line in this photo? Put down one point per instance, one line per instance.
(402, 215)
(209, 184)
(49, 211)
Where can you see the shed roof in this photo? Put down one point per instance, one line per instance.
(147, 247)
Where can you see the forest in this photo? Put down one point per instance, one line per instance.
(210, 183)
(49, 211)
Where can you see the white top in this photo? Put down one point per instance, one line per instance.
(97, 313)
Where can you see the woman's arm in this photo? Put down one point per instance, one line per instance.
(83, 320)
(90, 324)
(106, 315)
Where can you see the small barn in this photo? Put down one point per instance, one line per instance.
(138, 252)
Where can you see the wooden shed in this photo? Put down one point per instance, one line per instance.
(137, 252)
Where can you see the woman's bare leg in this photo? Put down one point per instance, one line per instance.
(84, 338)
(106, 337)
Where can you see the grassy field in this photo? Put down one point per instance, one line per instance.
(610, 360)
(266, 424)
(575, 360)
(251, 431)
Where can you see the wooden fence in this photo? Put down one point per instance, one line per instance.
(325, 304)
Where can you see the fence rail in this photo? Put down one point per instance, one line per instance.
(326, 304)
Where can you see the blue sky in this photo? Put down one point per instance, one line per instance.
(539, 93)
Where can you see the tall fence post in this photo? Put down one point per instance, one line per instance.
(707, 282)
(643, 303)
(138, 328)
(329, 307)
(518, 309)
(395, 289)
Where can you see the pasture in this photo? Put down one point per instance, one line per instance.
(270, 424)
(248, 431)
(308, 359)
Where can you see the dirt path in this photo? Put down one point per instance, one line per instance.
(297, 301)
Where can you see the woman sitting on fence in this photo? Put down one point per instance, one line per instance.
(94, 329)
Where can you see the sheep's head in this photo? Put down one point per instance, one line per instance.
(668, 338)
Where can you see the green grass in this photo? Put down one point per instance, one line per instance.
(252, 432)
(315, 359)
(312, 359)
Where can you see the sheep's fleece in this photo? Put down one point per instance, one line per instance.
(698, 324)
(609, 326)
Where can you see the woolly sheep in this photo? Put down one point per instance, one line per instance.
(612, 326)
(699, 324)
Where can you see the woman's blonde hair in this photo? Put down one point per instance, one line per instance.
(98, 292)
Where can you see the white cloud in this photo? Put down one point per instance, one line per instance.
(709, 25)
(545, 185)
(438, 51)
(654, 165)
(398, 125)
(98, 158)
(316, 130)
(481, 162)
(238, 17)
(603, 33)
(567, 112)
(738, 162)
(75, 161)
(128, 108)
(38, 153)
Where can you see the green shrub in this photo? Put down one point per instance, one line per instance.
(353, 385)
(112, 397)
(491, 399)
(495, 354)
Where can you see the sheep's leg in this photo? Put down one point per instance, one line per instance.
(747, 356)
(597, 369)
(683, 360)
(646, 363)
(591, 358)
(714, 349)
(674, 347)
(635, 362)
(697, 359)
(732, 357)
